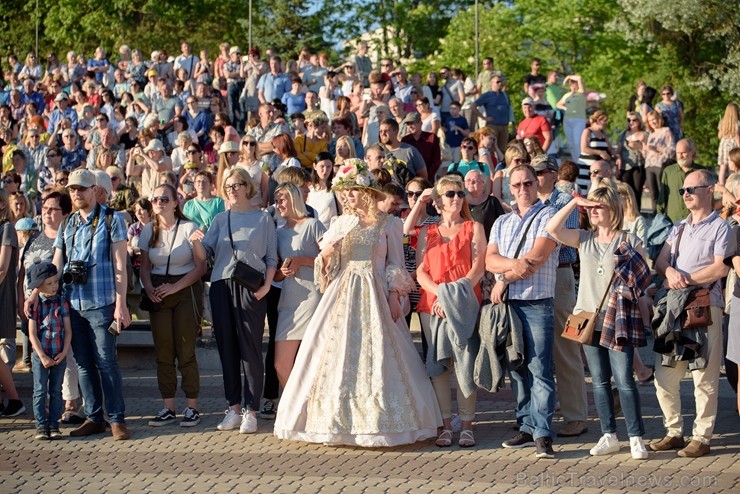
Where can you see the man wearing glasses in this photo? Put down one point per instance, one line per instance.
(692, 257)
(90, 255)
(62, 111)
(670, 202)
(530, 277)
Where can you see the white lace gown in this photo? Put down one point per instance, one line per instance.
(358, 379)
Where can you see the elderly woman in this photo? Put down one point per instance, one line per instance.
(243, 236)
(659, 150)
(452, 252)
(608, 356)
(170, 275)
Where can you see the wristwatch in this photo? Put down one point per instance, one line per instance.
(500, 277)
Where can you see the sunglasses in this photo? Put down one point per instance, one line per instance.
(540, 173)
(526, 184)
(692, 190)
(411, 193)
(233, 187)
(631, 120)
(8, 181)
(593, 173)
(160, 199)
(78, 188)
(193, 151)
(472, 148)
(452, 193)
(249, 143)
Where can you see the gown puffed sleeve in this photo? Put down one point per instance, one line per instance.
(397, 278)
(325, 272)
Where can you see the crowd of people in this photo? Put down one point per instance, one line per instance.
(325, 205)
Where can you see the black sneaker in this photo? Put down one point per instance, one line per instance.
(520, 440)
(190, 417)
(54, 433)
(14, 408)
(164, 417)
(42, 434)
(269, 410)
(544, 447)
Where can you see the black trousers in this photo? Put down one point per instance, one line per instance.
(272, 385)
(635, 178)
(238, 324)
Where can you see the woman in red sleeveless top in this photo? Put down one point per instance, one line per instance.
(447, 252)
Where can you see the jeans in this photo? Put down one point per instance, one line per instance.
(603, 364)
(533, 383)
(573, 128)
(95, 350)
(47, 381)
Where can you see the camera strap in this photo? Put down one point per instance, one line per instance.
(93, 229)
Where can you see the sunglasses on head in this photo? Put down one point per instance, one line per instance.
(452, 193)
(691, 190)
(160, 199)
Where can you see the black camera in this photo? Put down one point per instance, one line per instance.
(76, 273)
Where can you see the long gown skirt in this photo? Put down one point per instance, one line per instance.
(357, 379)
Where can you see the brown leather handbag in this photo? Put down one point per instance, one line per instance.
(696, 310)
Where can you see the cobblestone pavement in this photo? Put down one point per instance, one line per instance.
(202, 459)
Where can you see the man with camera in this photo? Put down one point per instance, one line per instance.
(91, 254)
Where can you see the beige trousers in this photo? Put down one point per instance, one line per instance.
(569, 374)
(442, 384)
(706, 387)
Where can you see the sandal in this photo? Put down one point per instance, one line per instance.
(445, 439)
(466, 439)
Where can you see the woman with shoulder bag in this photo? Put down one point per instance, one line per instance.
(605, 359)
(170, 274)
(241, 240)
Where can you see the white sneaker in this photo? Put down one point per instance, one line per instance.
(230, 422)
(249, 422)
(637, 448)
(607, 444)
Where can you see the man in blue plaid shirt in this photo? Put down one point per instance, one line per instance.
(529, 276)
(95, 248)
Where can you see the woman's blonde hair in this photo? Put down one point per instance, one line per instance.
(608, 196)
(631, 211)
(350, 145)
(635, 115)
(297, 206)
(729, 126)
(368, 199)
(4, 212)
(243, 176)
(451, 181)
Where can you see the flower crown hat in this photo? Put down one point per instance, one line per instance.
(355, 174)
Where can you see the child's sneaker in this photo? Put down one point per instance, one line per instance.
(42, 434)
(54, 433)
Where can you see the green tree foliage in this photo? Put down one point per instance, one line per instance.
(597, 39)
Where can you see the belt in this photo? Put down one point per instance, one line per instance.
(565, 265)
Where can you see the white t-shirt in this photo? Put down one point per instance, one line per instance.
(181, 259)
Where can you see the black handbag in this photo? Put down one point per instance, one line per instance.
(145, 303)
(244, 274)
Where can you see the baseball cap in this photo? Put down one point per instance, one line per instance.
(81, 178)
(412, 117)
(544, 162)
(60, 97)
(39, 272)
(528, 101)
(26, 225)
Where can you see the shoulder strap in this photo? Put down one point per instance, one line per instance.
(526, 230)
(172, 245)
(678, 242)
(611, 282)
(63, 227)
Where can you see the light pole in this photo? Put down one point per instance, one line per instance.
(250, 24)
(476, 39)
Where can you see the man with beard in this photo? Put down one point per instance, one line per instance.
(90, 250)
